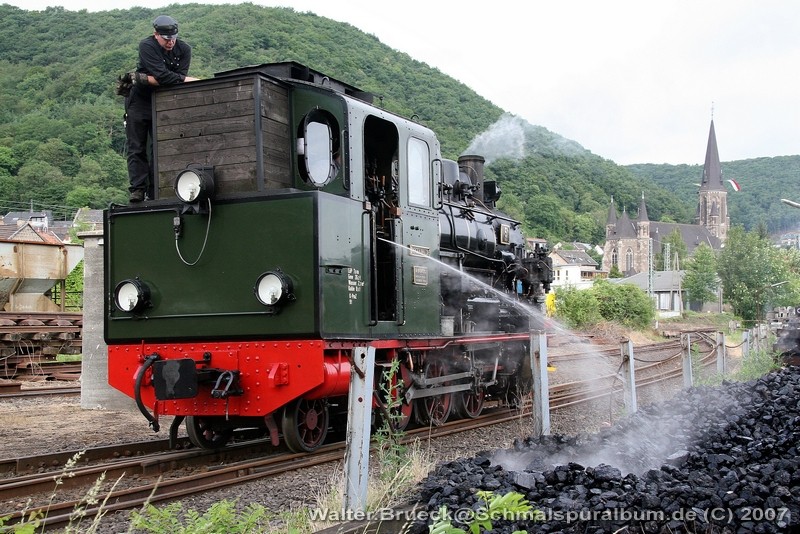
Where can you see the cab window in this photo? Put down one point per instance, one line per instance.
(317, 148)
(419, 173)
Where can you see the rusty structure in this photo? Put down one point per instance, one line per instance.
(34, 329)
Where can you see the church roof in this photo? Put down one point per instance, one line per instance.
(625, 227)
(663, 281)
(693, 235)
(712, 169)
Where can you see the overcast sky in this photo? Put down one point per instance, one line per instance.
(632, 81)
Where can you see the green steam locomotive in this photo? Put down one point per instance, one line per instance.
(294, 221)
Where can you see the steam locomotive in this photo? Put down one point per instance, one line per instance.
(295, 221)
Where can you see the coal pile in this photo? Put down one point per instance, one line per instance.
(712, 460)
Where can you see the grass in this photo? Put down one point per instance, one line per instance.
(719, 321)
(755, 365)
(79, 521)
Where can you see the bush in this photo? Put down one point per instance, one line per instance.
(625, 304)
(577, 308)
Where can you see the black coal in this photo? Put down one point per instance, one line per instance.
(712, 460)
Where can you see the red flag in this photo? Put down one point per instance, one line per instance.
(734, 185)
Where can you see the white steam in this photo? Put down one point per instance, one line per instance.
(504, 139)
(515, 138)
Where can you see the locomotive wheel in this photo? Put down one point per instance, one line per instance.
(305, 424)
(202, 433)
(468, 404)
(435, 410)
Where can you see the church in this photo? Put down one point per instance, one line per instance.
(632, 243)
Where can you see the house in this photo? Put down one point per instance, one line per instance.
(41, 222)
(668, 291)
(574, 268)
(87, 219)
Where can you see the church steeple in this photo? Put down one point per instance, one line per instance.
(612, 213)
(642, 216)
(712, 204)
(712, 169)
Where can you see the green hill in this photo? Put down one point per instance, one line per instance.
(62, 137)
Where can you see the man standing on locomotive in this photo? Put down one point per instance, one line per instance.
(163, 60)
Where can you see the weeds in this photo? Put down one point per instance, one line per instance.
(391, 450)
(755, 365)
(35, 520)
(510, 506)
(221, 517)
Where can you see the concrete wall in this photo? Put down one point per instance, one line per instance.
(95, 391)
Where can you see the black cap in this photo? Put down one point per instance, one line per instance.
(165, 25)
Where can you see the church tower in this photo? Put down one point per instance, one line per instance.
(712, 205)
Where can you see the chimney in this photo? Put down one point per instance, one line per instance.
(472, 166)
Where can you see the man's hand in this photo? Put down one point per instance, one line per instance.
(124, 84)
(139, 78)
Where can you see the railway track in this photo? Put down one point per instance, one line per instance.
(31, 342)
(150, 472)
(12, 390)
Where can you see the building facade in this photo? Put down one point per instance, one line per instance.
(574, 268)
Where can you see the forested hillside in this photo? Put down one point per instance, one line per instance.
(62, 138)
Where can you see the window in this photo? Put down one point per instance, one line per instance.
(629, 260)
(318, 148)
(419, 173)
(614, 257)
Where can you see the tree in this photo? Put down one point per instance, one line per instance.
(8, 162)
(753, 273)
(701, 281)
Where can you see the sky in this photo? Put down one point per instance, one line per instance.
(632, 81)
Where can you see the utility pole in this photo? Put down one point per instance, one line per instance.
(650, 268)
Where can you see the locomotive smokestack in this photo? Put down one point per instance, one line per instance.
(472, 166)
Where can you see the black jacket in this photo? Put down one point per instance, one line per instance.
(168, 68)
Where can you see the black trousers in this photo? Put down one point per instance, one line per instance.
(139, 128)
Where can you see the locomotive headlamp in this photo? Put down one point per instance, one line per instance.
(194, 184)
(273, 288)
(131, 295)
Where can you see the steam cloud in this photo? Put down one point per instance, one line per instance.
(515, 138)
